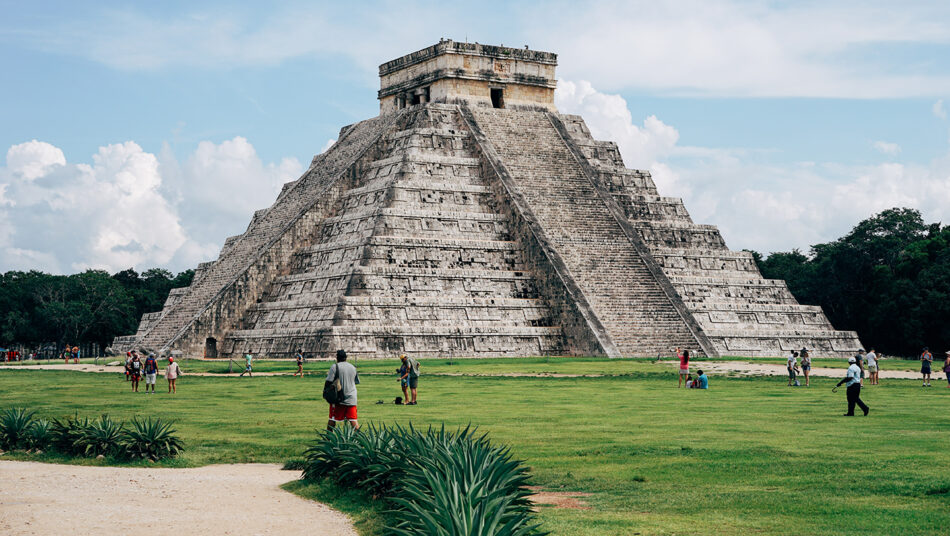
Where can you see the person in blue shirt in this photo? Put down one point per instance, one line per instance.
(702, 380)
(853, 379)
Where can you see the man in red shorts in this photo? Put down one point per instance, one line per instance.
(349, 379)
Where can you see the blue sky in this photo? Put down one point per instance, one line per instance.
(145, 134)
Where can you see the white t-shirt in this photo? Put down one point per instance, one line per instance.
(792, 361)
(854, 374)
(871, 358)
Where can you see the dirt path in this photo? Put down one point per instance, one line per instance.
(42, 499)
(715, 367)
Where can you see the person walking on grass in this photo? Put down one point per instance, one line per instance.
(247, 365)
(135, 372)
(871, 359)
(349, 379)
(172, 372)
(946, 368)
(853, 379)
(403, 372)
(684, 365)
(926, 360)
(792, 366)
(413, 365)
(806, 364)
(299, 358)
(151, 372)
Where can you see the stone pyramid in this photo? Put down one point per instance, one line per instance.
(471, 219)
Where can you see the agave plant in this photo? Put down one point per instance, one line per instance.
(151, 439)
(437, 482)
(14, 425)
(40, 434)
(102, 436)
(66, 434)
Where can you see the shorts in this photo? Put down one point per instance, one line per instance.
(925, 368)
(791, 372)
(150, 379)
(684, 371)
(135, 375)
(413, 382)
(340, 413)
(404, 382)
(806, 367)
(872, 368)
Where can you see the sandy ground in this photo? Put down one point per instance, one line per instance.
(45, 499)
(714, 367)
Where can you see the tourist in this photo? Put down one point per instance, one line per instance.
(702, 381)
(946, 368)
(403, 372)
(299, 358)
(128, 359)
(247, 365)
(151, 372)
(690, 383)
(413, 365)
(806, 364)
(926, 359)
(871, 359)
(349, 379)
(684, 365)
(75, 354)
(853, 379)
(172, 372)
(135, 372)
(67, 353)
(792, 366)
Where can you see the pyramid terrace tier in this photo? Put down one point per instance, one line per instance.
(391, 341)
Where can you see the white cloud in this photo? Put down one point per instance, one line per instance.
(326, 146)
(125, 208)
(762, 207)
(888, 148)
(938, 110)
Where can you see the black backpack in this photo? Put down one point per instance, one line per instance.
(333, 391)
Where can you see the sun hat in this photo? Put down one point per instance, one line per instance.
(852, 360)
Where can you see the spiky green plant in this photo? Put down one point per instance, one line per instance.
(67, 433)
(103, 436)
(438, 482)
(40, 434)
(14, 425)
(151, 439)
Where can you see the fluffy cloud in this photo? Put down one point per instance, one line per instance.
(938, 110)
(887, 148)
(128, 207)
(760, 206)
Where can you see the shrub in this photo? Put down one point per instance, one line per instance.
(40, 435)
(65, 434)
(102, 436)
(15, 423)
(437, 482)
(151, 439)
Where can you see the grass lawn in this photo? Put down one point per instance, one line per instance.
(748, 455)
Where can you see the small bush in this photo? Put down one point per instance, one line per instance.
(15, 424)
(40, 435)
(102, 436)
(67, 433)
(151, 439)
(437, 482)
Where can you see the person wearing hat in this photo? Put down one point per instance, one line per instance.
(172, 372)
(853, 379)
(926, 359)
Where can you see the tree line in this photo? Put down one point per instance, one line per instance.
(90, 307)
(888, 279)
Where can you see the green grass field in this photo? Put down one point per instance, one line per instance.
(747, 456)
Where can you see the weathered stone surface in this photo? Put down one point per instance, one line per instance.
(452, 228)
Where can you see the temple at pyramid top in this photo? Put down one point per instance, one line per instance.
(469, 73)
